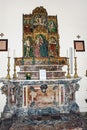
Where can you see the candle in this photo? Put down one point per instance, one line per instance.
(67, 52)
(14, 53)
(74, 53)
(8, 52)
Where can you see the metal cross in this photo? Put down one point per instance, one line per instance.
(1, 34)
(78, 36)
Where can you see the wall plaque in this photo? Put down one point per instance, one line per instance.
(3, 44)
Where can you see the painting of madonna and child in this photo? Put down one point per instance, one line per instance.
(40, 47)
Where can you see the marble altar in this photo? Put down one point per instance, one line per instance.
(23, 112)
(32, 102)
(26, 97)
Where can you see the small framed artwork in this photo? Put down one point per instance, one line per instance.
(79, 45)
(3, 44)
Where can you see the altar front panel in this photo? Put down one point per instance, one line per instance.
(40, 99)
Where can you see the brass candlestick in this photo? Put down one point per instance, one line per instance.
(8, 69)
(14, 75)
(75, 64)
(68, 69)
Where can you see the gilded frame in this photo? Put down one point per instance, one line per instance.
(79, 45)
(3, 44)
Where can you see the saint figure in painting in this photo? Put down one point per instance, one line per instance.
(37, 48)
(28, 47)
(52, 47)
(52, 27)
(41, 48)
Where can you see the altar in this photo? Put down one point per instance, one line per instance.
(58, 95)
(38, 104)
(41, 93)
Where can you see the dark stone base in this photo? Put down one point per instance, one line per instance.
(54, 122)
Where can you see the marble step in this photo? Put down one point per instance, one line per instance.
(36, 74)
(38, 67)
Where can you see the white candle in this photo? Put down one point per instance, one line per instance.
(74, 52)
(67, 52)
(14, 53)
(8, 52)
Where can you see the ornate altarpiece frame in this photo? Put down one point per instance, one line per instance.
(41, 31)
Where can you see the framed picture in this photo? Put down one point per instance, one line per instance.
(3, 44)
(79, 45)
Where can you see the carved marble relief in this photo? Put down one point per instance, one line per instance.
(49, 96)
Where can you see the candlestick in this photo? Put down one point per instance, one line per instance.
(14, 75)
(68, 69)
(75, 64)
(71, 59)
(8, 69)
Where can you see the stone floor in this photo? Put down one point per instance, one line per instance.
(62, 122)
